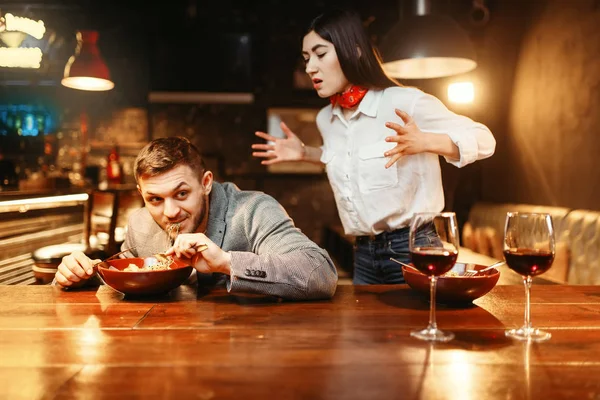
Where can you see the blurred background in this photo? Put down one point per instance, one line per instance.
(217, 71)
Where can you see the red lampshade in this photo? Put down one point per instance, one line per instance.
(86, 70)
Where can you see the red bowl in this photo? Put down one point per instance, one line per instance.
(454, 289)
(146, 282)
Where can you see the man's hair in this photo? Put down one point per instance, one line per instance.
(343, 28)
(164, 154)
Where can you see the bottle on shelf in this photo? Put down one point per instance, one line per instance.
(114, 172)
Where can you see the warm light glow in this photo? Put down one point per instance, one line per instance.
(20, 57)
(460, 379)
(461, 92)
(21, 24)
(13, 38)
(428, 67)
(87, 83)
(25, 205)
(86, 70)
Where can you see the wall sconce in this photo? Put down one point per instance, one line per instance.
(86, 70)
(13, 31)
(427, 45)
(461, 92)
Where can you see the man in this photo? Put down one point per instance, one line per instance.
(245, 235)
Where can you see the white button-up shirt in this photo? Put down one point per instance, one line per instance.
(372, 199)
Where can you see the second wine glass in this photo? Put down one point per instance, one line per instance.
(433, 243)
(529, 248)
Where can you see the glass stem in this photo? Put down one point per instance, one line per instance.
(432, 283)
(527, 282)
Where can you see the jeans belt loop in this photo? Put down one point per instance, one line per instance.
(368, 238)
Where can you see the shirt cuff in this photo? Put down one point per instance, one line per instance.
(467, 148)
(326, 155)
(246, 272)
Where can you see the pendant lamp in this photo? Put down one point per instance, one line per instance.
(86, 70)
(426, 45)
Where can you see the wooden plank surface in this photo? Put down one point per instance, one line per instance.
(267, 348)
(97, 343)
(424, 381)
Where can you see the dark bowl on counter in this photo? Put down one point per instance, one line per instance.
(143, 282)
(454, 288)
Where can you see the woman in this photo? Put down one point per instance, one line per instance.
(381, 145)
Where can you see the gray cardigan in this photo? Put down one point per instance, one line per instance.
(269, 255)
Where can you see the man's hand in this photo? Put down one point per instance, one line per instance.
(75, 269)
(201, 252)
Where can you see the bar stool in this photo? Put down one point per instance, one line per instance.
(109, 209)
(106, 210)
(48, 258)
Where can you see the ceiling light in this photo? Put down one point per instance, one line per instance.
(86, 70)
(427, 45)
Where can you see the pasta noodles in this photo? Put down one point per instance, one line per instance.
(172, 232)
(452, 274)
(164, 263)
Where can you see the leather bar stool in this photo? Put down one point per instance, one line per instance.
(48, 258)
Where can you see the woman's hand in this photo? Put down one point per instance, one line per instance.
(289, 149)
(409, 137)
(203, 254)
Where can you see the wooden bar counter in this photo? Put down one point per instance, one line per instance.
(209, 344)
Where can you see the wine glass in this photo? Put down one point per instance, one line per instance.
(529, 247)
(433, 244)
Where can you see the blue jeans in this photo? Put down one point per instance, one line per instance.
(372, 264)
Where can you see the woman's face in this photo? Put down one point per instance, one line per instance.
(323, 66)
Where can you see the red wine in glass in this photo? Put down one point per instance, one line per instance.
(433, 261)
(433, 245)
(529, 262)
(529, 248)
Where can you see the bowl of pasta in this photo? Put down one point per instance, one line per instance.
(158, 274)
(454, 287)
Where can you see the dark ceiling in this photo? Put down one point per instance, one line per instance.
(193, 45)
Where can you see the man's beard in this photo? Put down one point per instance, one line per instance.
(203, 216)
(199, 219)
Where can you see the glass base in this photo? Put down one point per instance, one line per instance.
(529, 334)
(432, 335)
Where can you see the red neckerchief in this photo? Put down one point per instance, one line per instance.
(350, 97)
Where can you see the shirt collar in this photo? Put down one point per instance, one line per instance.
(368, 105)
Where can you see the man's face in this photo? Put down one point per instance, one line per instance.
(178, 197)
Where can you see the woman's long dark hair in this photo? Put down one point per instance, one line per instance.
(344, 29)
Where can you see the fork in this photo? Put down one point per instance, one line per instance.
(473, 272)
(111, 257)
(401, 263)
